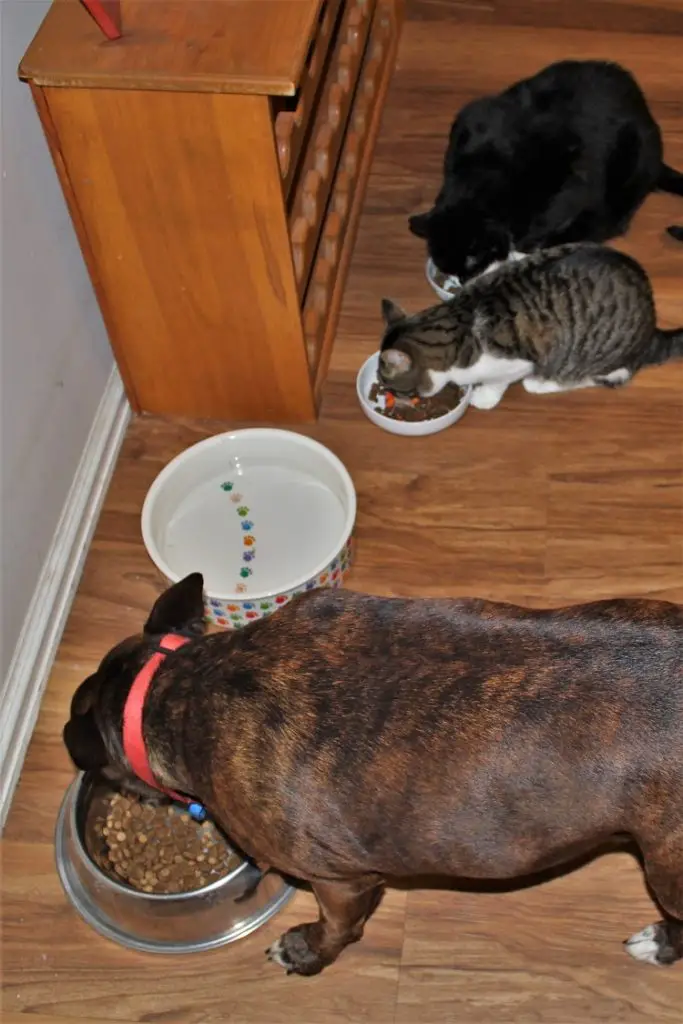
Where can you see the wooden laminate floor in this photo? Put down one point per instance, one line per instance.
(545, 500)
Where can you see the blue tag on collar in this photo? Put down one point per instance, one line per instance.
(197, 812)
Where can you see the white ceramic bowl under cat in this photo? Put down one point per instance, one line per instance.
(263, 514)
(367, 376)
(444, 286)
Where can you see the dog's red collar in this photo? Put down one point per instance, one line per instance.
(133, 740)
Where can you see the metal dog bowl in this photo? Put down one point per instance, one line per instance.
(221, 912)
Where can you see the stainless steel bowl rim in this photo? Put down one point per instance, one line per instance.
(109, 931)
(70, 801)
(100, 921)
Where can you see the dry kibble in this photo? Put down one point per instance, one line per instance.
(155, 849)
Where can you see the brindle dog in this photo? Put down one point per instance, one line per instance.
(349, 739)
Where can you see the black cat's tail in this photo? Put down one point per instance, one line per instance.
(670, 180)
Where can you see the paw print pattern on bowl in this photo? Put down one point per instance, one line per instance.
(239, 612)
(249, 541)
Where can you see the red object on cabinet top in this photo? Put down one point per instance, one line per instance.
(107, 14)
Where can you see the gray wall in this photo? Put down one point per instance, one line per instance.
(54, 356)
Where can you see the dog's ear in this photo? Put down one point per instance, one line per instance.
(181, 607)
(81, 735)
(419, 224)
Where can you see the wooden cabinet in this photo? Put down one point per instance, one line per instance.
(214, 161)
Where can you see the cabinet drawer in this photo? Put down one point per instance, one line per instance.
(318, 314)
(293, 116)
(322, 152)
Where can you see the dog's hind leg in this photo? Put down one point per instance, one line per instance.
(344, 908)
(662, 943)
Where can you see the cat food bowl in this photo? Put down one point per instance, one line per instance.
(263, 514)
(444, 285)
(228, 908)
(365, 382)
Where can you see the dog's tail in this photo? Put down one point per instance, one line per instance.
(670, 180)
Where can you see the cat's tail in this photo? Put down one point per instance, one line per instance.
(668, 345)
(670, 180)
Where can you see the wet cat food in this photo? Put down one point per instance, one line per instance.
(155, 849)
(414, 410)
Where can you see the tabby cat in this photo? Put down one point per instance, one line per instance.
(567, 155)
(574, 316)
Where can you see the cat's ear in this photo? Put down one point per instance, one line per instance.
(392, 312)
(395, 362)
(419, 224)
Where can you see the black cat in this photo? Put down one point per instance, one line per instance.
(565, 156)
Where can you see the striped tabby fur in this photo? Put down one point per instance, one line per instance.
(573, 316)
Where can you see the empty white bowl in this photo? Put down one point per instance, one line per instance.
(441, 287)
(367, 376)
(263, 514)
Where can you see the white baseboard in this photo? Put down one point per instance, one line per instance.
(23, 687)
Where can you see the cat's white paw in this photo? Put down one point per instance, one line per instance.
(538, 386)
(616, 377)
(487, 396)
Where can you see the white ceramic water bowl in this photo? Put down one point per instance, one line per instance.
(441, 289)
(263, 514)
(367, 376)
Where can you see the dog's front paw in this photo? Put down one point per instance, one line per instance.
(652, 946)
(293, 951)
